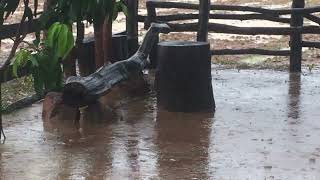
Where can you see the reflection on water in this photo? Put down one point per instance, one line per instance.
(294, 95)
(182, 144)
(143, 142)
(249, 137)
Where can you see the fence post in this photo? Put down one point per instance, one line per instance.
(152, 17)
(132, 26)
(296, 37)
(204, 11)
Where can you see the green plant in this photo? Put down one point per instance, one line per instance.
(44, 59)
(101, 13)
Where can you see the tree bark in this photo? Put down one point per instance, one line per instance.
(296, 37)
(69, 63)
(204, 11)
(107, 41)
(98, 36)
(81, 91)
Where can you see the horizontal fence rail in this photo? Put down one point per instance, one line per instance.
(295, 30)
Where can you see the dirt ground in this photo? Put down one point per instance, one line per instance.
(11, 91)
(265, 127)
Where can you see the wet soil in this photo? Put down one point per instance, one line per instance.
(218, 41)
(265, 127)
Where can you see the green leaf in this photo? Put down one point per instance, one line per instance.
(62, 40)
(20, 61)
(53, 33)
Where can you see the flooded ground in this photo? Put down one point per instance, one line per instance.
(265, 127)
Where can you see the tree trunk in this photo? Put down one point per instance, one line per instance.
(69, 64)
(81, 91)
(183, 78)
(107, 41)
(99, 53)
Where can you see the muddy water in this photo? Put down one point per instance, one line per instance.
(266, 127)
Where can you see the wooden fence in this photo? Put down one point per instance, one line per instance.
(297, 28)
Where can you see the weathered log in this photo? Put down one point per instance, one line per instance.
(81, 91)
(241, 17)
(311, 44)
(274, 12)
(250, 51)
(229, 29)
(312, 18)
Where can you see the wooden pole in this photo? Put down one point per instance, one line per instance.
(152, 17)
(98, 36)
(132, 26)
(204, 11)
(107, 41)
(296, 37)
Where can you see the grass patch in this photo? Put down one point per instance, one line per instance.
(16, 89)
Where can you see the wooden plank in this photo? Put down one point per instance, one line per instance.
(228, 29)
(242, 17)
(312, 18)
(311, 44)
(275, 12)
(250, 51)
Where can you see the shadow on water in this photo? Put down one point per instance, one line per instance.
(294, 95)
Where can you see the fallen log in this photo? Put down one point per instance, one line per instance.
(81, 91)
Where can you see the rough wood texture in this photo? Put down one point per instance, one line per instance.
(204, 11)
(250, 51)
(132, 25)
(296, 37)
(311, 44)
(183, 78)
(81, 91)
(274, 12)
(229, 29)
(242, 17)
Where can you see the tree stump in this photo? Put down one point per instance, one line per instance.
(183, 77)
(87, 57)
(119, 48)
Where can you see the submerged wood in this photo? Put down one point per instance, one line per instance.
(81, 91)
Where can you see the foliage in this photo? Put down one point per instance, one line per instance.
(93, 11)
(44, 59)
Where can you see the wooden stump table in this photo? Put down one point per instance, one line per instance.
(183, 76)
